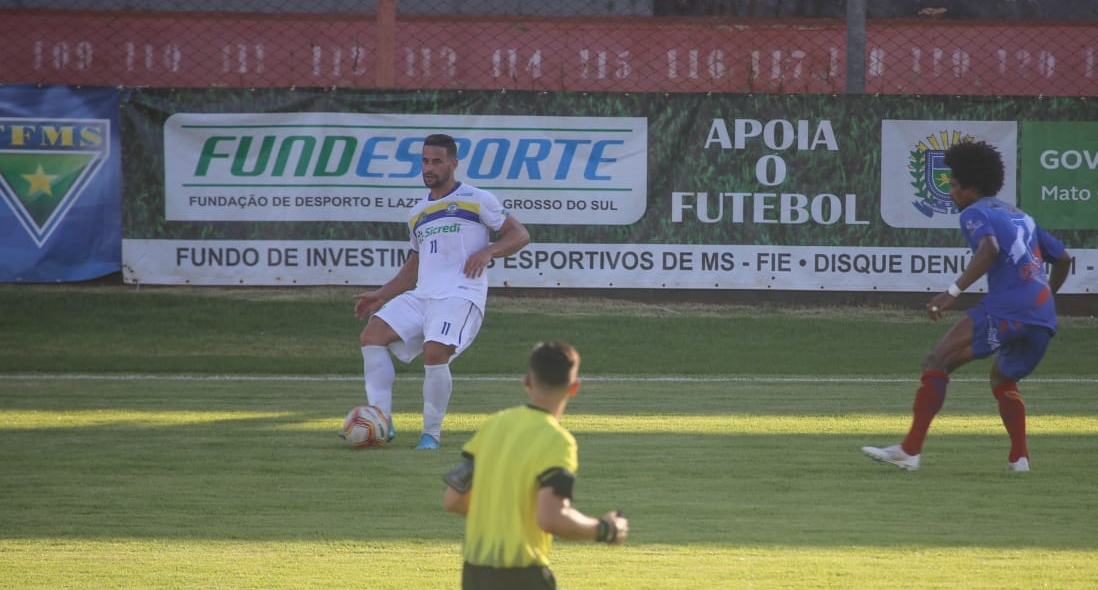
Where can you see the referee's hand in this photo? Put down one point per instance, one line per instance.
(621, 524)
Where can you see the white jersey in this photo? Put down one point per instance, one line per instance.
(446, 232)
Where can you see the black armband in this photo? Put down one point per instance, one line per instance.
(561, 480)
(461, 477)
(608, 531)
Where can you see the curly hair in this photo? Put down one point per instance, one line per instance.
(976, 164)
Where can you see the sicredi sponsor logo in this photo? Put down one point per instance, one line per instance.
(352, 167)
(425, 233)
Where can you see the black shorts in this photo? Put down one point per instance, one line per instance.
(482, 577)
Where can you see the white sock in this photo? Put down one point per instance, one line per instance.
(379, 374)
(437, 386)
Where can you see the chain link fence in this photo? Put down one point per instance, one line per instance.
(954, 47)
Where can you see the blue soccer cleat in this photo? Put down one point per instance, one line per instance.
(427, 443)
(392, 431)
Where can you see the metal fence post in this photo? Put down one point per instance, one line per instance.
(855, 46)
(384, 75)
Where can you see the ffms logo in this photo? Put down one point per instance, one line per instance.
(45, 165)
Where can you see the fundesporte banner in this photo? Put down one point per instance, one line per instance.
(366, 167)
(783, 192)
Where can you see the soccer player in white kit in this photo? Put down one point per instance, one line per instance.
(435, 303)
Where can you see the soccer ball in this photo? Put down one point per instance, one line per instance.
(366, 426)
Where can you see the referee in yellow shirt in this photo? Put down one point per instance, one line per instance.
(514, 484)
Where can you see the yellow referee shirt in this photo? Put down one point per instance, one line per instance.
(510, 453)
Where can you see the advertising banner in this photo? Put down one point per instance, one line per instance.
(365, 167)
(840, 193)
(1060, 173)
(542, 265)
(60, 183)
(927, 183)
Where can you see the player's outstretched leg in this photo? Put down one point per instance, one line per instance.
(929, 399)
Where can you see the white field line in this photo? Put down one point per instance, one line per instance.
(611, 378)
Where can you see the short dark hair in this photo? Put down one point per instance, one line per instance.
(976, 164)
(443, 141)
(554, 363)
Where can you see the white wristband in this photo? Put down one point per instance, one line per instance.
(954, 290)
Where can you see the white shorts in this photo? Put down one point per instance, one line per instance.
(454, 321)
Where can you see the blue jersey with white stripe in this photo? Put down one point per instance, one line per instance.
(1017, 282)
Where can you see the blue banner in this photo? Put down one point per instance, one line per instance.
(60, 183)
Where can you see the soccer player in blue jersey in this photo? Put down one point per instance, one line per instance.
(514, 484)
(435, 303)
(1014, 321)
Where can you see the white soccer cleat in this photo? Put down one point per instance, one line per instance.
(1019, 465)
(893, 455)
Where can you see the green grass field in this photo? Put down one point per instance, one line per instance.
(186, 439)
